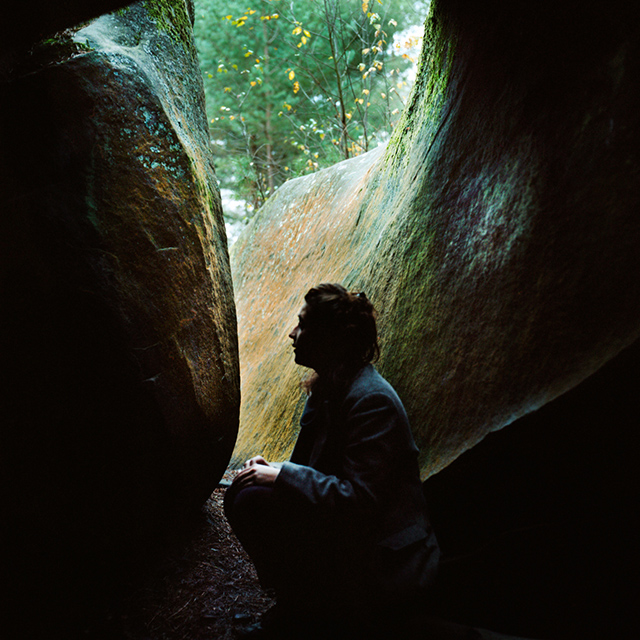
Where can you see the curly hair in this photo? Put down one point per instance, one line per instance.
(351, 319)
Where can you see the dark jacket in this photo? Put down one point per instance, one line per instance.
(356, 464)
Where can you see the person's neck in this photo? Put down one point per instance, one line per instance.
(333, 379)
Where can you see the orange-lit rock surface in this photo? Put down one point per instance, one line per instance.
(497, 234)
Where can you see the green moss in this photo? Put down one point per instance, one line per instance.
(53, 50)
(173, 18)
(428, 94)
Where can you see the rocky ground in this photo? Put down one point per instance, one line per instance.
(207, 591)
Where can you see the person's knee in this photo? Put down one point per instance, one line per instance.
(247, 504)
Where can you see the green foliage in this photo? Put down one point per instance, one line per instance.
(292, 87)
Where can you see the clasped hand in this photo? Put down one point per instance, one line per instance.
(256, 471)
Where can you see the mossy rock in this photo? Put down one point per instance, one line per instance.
(497, 234)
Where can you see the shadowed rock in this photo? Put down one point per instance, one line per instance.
(538, 521)
(32, 20)
(497, 234)
(119, 375)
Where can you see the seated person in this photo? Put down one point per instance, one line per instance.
(341, 530)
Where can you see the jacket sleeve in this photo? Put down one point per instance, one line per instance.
(372, 427)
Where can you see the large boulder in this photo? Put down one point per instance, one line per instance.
(119, 369)
(498, 233)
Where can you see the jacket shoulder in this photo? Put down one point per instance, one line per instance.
(369, 382)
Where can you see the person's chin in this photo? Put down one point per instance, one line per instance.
(299, 359)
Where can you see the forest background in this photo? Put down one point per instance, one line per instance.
(293, 86)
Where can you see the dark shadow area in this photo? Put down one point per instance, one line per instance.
(538, 522)
(92, 483)
(30, 21)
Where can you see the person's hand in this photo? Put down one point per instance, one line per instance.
(256, 472)
(255, 460)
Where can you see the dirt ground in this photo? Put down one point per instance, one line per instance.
(206, 591)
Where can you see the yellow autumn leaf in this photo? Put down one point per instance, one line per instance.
(303, 39)
(365, 51)
(366, 92)
(232, 117)
(383, 95)
(253, 83)
(299, 44)
(365, 6)
(251, 11)
(306, 33)
(297, 31)
(393, 22)
(227, 89)
(361, 66)
(296, 87)
(292, 74)
(348, 116)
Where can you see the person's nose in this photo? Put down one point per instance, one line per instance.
(294, 333)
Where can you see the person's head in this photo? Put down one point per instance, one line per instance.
(336, 330)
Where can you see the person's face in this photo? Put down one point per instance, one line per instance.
(310, 345)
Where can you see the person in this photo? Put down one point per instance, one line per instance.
(339, 532)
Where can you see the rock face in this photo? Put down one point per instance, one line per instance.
(497, 234)
(540, 518)
(287, 249)
(119, 378)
